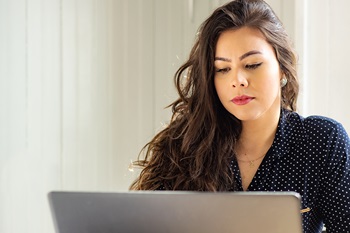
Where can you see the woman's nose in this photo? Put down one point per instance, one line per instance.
(239, 81)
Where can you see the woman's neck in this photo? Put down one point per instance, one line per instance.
(257, 136)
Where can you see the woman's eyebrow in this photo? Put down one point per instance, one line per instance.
(253, 52)
(222, 59)
(247, 54)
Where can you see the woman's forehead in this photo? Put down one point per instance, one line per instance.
(235, 43)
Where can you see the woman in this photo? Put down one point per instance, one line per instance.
(234, 125)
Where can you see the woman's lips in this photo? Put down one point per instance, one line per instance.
(242, 100)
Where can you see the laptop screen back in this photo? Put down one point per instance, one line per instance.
(176, 212)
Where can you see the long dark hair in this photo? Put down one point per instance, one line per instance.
(194, 151)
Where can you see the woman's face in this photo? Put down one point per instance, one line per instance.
(247, 74)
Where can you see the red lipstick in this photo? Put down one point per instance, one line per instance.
(242, 99)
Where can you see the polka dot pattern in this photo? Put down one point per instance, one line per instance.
(310, 156)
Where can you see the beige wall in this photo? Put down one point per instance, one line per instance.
(326, 66)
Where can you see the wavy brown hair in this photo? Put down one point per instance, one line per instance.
(194, 151)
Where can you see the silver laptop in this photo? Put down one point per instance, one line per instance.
(176, 212)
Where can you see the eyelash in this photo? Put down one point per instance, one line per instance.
(224, 70)
(249, 67)
(253, 66)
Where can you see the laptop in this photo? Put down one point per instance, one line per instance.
(176, 212)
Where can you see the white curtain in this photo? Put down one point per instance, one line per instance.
(83, 86)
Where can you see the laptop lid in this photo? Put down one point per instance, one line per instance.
(176, 212)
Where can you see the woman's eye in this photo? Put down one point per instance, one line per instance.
(223, 70)
(253, 66)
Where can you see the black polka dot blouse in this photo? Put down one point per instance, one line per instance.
(310, 156)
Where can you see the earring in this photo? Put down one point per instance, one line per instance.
(283, 81)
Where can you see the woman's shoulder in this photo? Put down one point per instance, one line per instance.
(314, 123)
(321, 124)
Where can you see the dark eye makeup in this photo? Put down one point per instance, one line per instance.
(223, 70)
(253, 66)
